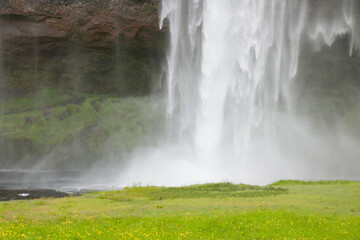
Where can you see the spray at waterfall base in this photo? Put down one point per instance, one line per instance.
(235, 78)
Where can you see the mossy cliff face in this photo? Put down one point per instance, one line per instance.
(98, 46)
(75, 80)
(66, 129)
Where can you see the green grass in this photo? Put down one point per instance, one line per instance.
(215, 190)
(320, 210)
(298, 182)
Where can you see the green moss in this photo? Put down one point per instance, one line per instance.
(21, 81)
(41, 99)
(99, 123)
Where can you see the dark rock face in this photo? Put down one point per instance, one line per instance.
(87, 45)
(10, 195)
(99, 22)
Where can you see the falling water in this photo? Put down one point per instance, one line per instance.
(231, 97)
(230, 71)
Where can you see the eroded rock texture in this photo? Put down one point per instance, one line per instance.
(96, 46)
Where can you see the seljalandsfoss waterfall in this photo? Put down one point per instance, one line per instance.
(234, 103)
(107, 93)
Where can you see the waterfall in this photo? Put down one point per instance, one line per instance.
(230, 104)
(230, 65)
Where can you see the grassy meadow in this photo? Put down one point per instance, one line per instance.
(283, 210)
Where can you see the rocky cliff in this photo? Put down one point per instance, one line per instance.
(86, 45)
(68, 71)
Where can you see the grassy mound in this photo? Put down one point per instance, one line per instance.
(212, 190)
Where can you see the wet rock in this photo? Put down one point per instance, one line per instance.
(96, 46)
(97, 22)
(26, 194)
